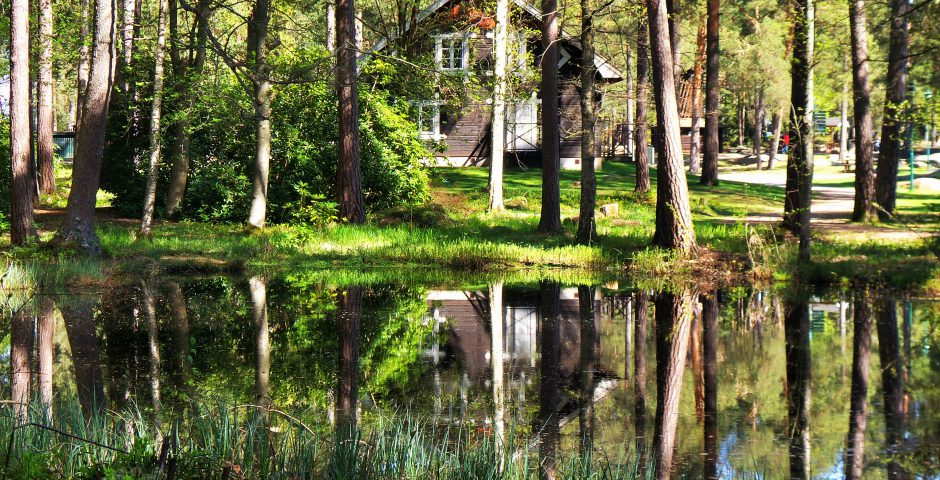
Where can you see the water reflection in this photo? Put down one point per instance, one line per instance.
(526, 365)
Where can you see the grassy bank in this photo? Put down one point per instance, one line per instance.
(455, 232)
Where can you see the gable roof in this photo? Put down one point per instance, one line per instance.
(603, 66)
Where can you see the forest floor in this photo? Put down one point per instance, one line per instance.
(735, 224)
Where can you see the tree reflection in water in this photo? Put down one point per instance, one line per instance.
(796, 333)
(858, 410)
(889, 349)
(673, 324)
(549, 395)
(639, 380)
(587, 367)
(710, 379)
(79, 315)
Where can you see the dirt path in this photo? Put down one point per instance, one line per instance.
(831, 210)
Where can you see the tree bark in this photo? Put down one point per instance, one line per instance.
(695, 140)
(673, 13)
(498, 133)
(347, 389)
(639, 381)
(759, 126)
(150, 191)
(549, 391)
(886, 177)
(844, 125)
(84, 59)
(153, 342)
(800, 162)
(191, 67)
(21, 211)
(673, 214)
(44, 118)
(349, 178)
(330, 26)
(864, 210)
(263, 94)
(78, 227)
(587, 227)
(776, 122)
(796, 333)
(710, 377)
(673, 322)
(642, 107)
(858, 410)
(550, 220)
(712, 92)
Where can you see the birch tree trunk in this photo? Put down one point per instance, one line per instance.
(44, 119)
(864, 210)
(330, 26)
(891, 129)
(257, 287)
(759, 126)
(263, 93)
(776, 124)
(587, 228)
(697, 72)
(21, 211)
(349, 178)
(712, 93)
(550, 220)
(642, 107)
(673, 214)
(150, 191)
(500, 51)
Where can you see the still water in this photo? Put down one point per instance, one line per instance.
(716, 384)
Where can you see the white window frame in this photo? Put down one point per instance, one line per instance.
(464, 51)
(432, 108)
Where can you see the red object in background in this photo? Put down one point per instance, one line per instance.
(786, 139)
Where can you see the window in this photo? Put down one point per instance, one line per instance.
(428, 120)
(452, 52)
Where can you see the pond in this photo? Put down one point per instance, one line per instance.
(731, 383)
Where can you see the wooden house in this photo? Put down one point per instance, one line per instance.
(460, 35)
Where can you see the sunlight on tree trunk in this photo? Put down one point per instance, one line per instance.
(695, 140)
(349, 178)
(263, 94)
(641, 143)
(799, 183)
(498, 132)
(21, 211)
(886, 181)
(587, 227)
(44, 118)
(712, 93)
(864, 210)
(150, 191)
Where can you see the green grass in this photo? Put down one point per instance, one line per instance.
(254, 442)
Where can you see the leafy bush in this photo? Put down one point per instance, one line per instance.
(303, 157)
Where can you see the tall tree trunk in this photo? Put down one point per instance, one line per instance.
(128, 21)
(889, 349)
(796, 215)
(741, 120)
(844, 123)
(864, 210)
(641, 143)
(796, 332)
(587, 366)
(192, 67)
(349, 178)
(587, 228)
(257, 287)
(639, 381)
(776, 124)
(22, 330)
(78, 227)
(759, 126)
(673, 16)
(330, 26)
(891, 128)
(46, 332)
(673, 214)
(84, 63)
(858, 410)
(263, 94)
(673, 322)
(550, 220)
(79, 317)
(21, 211)
(695, 139)
(712, 92)
(498, 143)
(347, 389)
(153, 171)
(710, 377)
(549, 391)
(44, 119)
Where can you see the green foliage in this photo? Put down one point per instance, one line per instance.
(303, 157)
